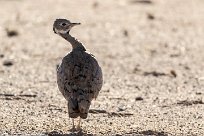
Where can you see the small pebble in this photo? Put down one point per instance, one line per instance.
(150, 16)
(121, 109)
(141, 1)
(95, 4)
(125, 33)
(11, 33)
(7, 63)
(1, 55)
(173, 73)
(198, 93)
(139, 98)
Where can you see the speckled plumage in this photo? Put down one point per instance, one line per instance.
(79, 77)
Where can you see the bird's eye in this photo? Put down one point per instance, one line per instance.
(63, 24)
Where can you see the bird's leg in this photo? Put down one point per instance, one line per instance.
(73, 126)
(79, 124)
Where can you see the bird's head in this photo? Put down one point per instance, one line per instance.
(62, 26)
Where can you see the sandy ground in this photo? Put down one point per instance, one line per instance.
(151, 53)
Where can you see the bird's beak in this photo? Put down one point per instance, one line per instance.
(74, 24)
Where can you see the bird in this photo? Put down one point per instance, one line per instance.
(79, 76)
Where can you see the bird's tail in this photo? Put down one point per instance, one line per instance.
(73, 108)
(79, 105)
(84, 104)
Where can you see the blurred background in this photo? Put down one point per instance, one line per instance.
(151, 53)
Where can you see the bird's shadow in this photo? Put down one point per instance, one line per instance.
(136, 133)
(148, 133)
(70, 133)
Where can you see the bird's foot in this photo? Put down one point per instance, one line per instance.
(73, 129)
(78, 128)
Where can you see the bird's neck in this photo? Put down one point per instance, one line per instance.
(76, 45)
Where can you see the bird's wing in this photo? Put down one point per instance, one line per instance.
(97, 82)
(94, 76)
(64, 75)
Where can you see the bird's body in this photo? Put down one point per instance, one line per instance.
(79, 77)
(79, 80)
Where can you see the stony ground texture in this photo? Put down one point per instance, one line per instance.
(151, 53)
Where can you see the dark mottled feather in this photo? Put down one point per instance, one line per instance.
(79, 78)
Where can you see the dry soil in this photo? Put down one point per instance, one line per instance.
(151, 53)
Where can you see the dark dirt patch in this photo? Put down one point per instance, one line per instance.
(173, 73)
(189, 103)
(20, 95)
(12, 33)
(110, 114)
(141, 1)
(95, 4)
(94, 111)
(150, 16)
(1, 55)
(138, 98)
(125, 33)
(116, 114)
(158, 74)
(13, 97)
(7, 63)
(154, 73)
